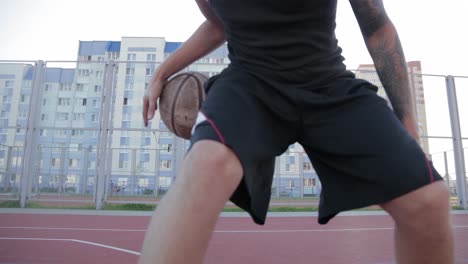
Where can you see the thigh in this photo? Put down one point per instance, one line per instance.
(239, 112)
(362, 153)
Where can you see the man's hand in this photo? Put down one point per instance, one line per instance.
(151, 97)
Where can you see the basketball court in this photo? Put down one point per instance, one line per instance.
(64, 236)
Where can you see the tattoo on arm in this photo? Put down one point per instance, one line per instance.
(385, 48)
(371, 15)
(391, 67)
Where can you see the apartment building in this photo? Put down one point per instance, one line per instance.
(368, 72)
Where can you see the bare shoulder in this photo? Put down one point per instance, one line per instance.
(370, 14)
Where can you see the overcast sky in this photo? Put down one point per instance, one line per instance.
(433, 31)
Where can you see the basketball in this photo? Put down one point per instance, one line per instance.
(180, 101)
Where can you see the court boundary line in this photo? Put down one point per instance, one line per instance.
(73, 240)
(216, 231)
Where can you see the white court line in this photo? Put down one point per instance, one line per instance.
(73, 240)
(216, 231)
(72, 228)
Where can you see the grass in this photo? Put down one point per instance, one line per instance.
(10, 204)
(130, 207)
(36, 205)
(150, 207)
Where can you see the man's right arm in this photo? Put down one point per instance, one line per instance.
(208, 37)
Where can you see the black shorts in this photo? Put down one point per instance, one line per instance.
(361, 152)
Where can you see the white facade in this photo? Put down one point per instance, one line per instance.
(368, 72)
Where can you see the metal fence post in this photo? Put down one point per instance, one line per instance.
(7, 178)
(133, 172)
(278, 176)
(31, 133)
(179, 157)
(301, 174)
(156, 171)
(447, 175)
(457, 142)
(104, 128)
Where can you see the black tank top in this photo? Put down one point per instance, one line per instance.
(291, 41)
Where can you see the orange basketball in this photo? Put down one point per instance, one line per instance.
(180, 101)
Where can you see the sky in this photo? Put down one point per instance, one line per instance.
(432, 31)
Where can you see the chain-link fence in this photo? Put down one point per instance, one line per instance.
(74, 135)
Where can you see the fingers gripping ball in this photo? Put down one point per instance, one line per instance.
(180, 101)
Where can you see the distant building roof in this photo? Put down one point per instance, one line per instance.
(58, 75)
(172, 46)
(113, 46)
(28, 75)
(90, 48)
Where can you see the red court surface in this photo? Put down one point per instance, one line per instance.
(42, 237)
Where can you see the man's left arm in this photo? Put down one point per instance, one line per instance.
(384, 46)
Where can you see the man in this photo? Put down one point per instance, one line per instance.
(287, 83)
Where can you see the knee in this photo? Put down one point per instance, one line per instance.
(214, 158)
(427, 207)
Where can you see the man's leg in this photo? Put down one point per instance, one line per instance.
(423, 232)
(182, 225)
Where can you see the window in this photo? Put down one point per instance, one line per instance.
(309, 182)
(23, 98)
(97, 88)
(71, 179)
(290, 167)
(62, 116)
(23, 114)
(292, 184)
(129, 85)
(77, 132)
(84, 101)
(123, 160)
(307, 166)
(130, 71)
(79, 87)
(44, 101)
(125, 101)
(93, 118)
(146, 157)
(124, 141)
(151, 57)
(131, 56)
(166, 164)
(9, 84)
(148, 71)
(143, 182)
(166, 148)
(83, 72)
(55, 162)
(99, 74)
(78, 116)
(64, 101)
(44, 117)
(65, 87)
(73, 163)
